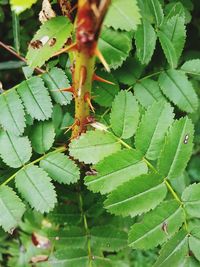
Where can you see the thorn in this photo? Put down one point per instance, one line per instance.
(95, 10)
(102, 59)
(100, 79)
(87, 98)
(70, 89)
(72, 47)
(71, 127)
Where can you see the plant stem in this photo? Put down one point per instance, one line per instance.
(13, 52)
(88, 25)
(86, 229)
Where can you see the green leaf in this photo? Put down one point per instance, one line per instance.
(179, 90)
(93, 146)
(192, 67)
(136, 196)
(72, 237)
(36, 188)
(145, 40)
(68, 257)
(191, 199)
(174, 251)
(124, 116)
(105, 93)
(115, 46)
(55, 80)
(156, 10)
(18, 6)
(12, 116)
(11, 208)
(36, 98)
(60, 168)
(151, 132)
(168, 49)
(108, 238)
(194, 242)
(174, 30)
(69, 214)
(147, 92)
(123, 15)
(51, 37)
(177, 149)
(157, 226)
(42, 136)
(14, 150)
(130, 71)
(189, 261)
(110, 175)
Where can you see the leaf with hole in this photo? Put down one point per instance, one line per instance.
(157, 226)
(51, 37)
(177, 149)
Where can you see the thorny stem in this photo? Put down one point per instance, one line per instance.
(167, 183)
(60, 149)
(13, 52)
(86, 229)
(89, 20)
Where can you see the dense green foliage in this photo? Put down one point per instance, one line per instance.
(127, 191)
